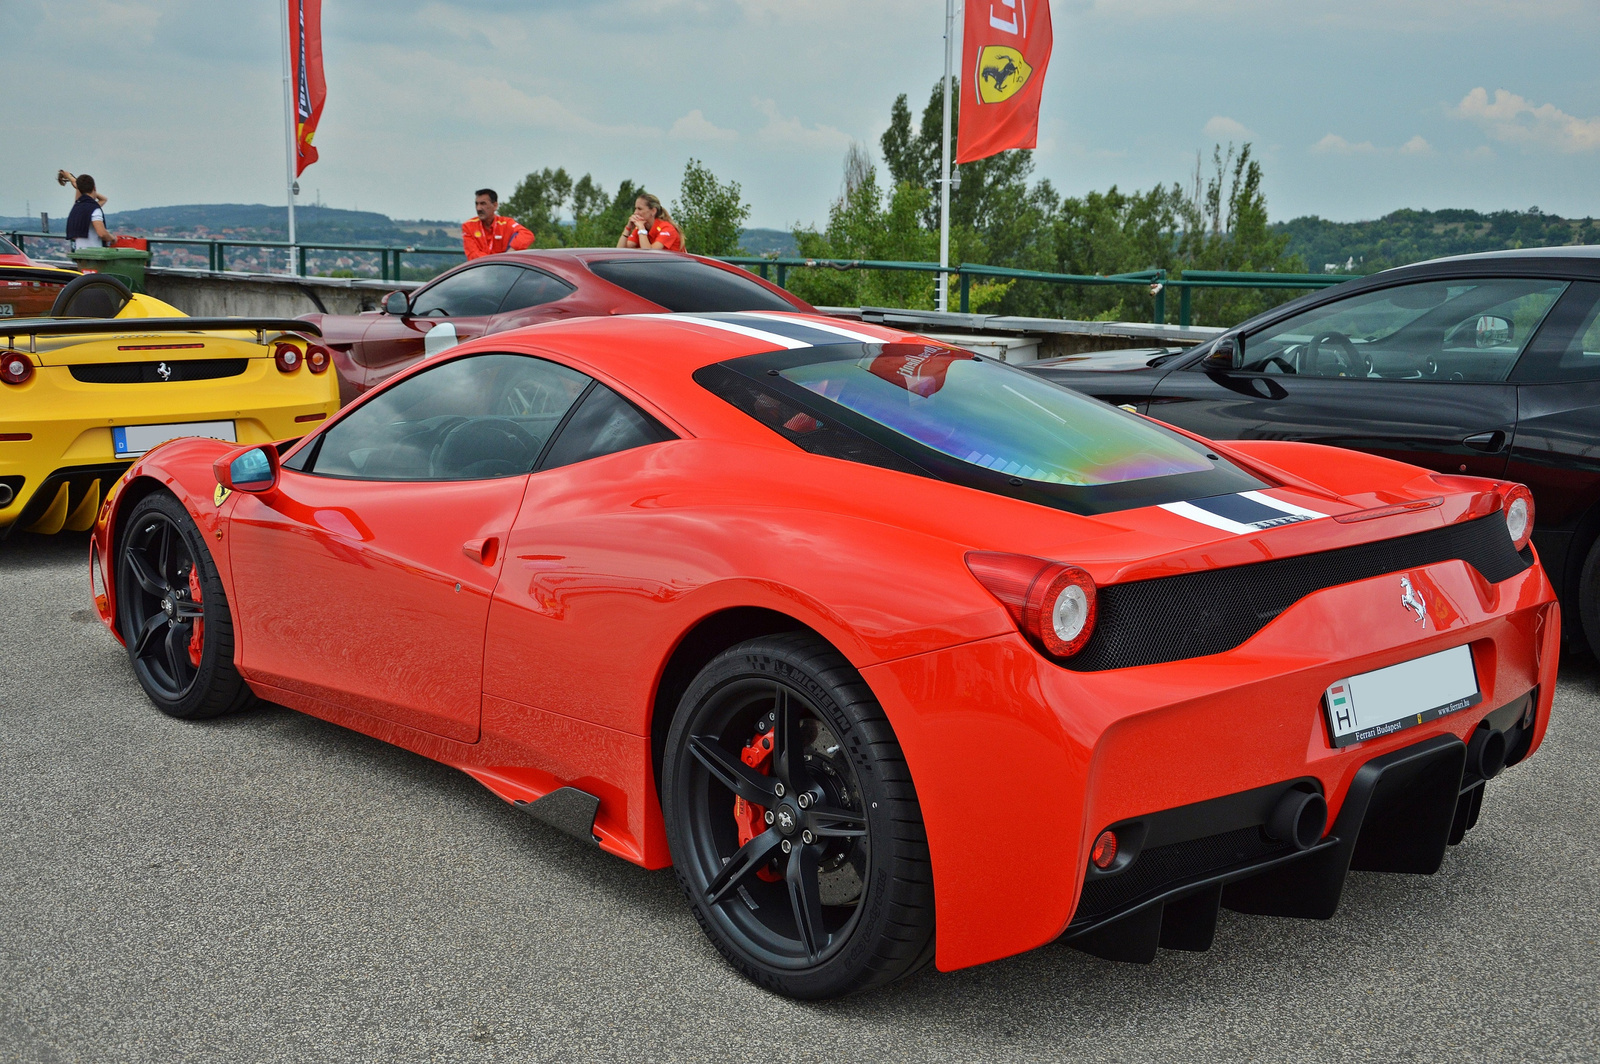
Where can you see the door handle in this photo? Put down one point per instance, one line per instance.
(1488, 442)
(482, 551)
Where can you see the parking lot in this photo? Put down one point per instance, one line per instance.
(271, 887)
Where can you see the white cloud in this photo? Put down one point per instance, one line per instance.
(792, 133)
(1417, 145)
(1333, 144)
(696, 126)
(1516, 120)
(1222, 127)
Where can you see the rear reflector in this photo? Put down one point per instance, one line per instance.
(158, 347)
(309, 417)
(1105, 850)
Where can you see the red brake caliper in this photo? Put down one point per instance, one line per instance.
(198, 638)
(752, 819)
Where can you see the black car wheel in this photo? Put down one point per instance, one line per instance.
(793, 822)
(173, 615)
(1589, 599)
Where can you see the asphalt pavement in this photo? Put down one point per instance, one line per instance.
(270, 887)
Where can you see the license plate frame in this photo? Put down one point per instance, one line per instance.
(1369, 705)
(130, 441)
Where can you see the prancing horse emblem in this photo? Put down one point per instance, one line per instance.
(1412, 600)
(164, 371)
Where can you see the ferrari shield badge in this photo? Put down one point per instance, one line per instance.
(220, 496)
(1001, 73)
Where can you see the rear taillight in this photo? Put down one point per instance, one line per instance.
(1518, 508)
(287, 356)
(1052, 604)
(15, 367)
(318, 358)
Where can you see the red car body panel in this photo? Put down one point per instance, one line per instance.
(372, 347)
(601, 569)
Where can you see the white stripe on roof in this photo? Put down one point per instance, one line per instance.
(742, 330)
(836, 330)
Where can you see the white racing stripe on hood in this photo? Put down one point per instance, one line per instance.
(742, 330)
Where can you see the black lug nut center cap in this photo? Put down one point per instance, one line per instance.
(787, 819)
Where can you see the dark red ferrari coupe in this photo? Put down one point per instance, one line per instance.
(896, 653)
(501, 292)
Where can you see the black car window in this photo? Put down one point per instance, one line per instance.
(682, 284)
(1454, 330)
(534, 288)
(473, 418)
(603, 424)
(7, 247)
(1568, 347)
(471, 293)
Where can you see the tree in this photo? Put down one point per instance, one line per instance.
(710, 214)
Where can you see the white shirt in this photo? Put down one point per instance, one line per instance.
(93, 239)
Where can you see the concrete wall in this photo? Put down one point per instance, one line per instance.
(201, 294)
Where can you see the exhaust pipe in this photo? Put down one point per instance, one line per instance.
(1299, 818)
(6, 495)
(1486, 753)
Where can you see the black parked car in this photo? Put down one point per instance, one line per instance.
(1485, 364)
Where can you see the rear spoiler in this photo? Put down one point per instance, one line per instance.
(35, 327)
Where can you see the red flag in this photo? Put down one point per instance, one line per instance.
(1005, 48)
(305, 77)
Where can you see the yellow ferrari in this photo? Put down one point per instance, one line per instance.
(109, 374)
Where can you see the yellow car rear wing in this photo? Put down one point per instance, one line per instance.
(36, 327)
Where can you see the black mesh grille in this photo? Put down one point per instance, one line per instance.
(1161, 867)
(193, 369)
(1171, 618)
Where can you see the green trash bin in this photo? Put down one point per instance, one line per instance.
(125, 264)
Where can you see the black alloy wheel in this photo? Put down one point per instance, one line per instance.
(173, 614)
(793, 822)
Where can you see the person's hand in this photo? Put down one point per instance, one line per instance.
(62, 177)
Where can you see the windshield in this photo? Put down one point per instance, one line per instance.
(993, 416)
(687, 285)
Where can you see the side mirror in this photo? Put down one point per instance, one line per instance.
(397, 304)
(1493, 331)
(1225, 355)
(253, 469)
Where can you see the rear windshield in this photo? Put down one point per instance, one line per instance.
(680, 284)
(952, 415)
(7, 247)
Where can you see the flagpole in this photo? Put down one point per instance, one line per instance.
(944, 161)
(288, 119)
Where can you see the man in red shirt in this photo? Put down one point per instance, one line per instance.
(490, 234)
(650, 228)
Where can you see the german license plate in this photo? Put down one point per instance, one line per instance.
(1401, 696)
(131, 440)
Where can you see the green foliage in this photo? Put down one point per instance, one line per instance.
(710, 214)
(1412, 236)
(545, 199)
(864, 223)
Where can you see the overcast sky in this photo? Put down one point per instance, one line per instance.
(1356, 107)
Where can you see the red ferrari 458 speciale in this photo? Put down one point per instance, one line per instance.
(896, 653)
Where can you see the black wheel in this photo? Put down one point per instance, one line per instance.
(793, 822)
(1589, 599)
(173, 614)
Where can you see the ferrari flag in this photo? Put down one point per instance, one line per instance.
(1005, 48)
(305, 77)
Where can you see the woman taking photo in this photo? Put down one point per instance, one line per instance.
(650, 229)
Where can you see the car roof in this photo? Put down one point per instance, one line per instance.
(1590, 252)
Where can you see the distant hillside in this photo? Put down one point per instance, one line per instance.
(1412, 236)
(768, 242)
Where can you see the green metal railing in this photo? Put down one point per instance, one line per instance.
(777, 270)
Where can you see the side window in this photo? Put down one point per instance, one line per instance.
(534, 289)
(469, 294)
(689, 285)
(473, 418)
(604, 424)
(1568, 347)
(1466, 330)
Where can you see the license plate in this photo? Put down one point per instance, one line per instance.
(131, 440)
(1401, 696)
(8, 310)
